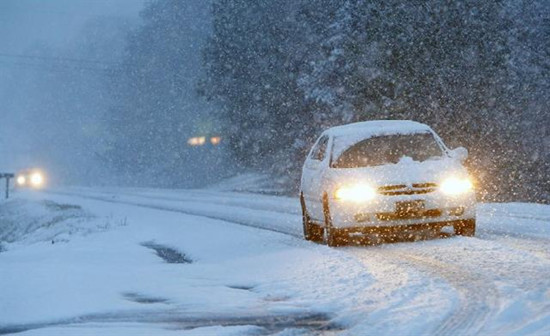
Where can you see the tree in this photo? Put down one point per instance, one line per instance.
(155, 108)
(282, 71)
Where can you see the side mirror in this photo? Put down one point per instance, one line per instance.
(459, 153)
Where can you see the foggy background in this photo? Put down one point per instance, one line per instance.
(60, 62)
(110, 92)
(52, 56)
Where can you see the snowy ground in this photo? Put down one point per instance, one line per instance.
(80, 261)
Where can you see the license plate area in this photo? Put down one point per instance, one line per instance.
(410, 208)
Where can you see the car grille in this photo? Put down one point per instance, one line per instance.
(402, 189)
(388, 216)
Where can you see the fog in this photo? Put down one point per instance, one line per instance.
(35, 38)
(58, 61)
(55, 22)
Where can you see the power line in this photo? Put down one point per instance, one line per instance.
(55, 68)
(57, 59)
(65, 13)
(52, 66)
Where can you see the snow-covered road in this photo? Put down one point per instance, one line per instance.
(254, 281)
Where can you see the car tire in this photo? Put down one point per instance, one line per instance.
(335, 237)
(465, 228)
(312, 232)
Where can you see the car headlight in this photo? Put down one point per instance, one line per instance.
(37, 179)
(456, 186)
(21, 180)
(356, 193)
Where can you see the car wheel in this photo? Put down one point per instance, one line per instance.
(335, 237)
(312, 231)
(466, 228)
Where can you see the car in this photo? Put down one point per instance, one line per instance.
(379, 177)
(30, 178)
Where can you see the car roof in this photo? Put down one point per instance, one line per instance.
(350, 134)
(378, 127)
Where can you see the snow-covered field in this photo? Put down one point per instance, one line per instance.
(81, 261)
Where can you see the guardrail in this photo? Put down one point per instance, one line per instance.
(7, 176)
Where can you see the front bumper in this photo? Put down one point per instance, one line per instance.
(383, 210)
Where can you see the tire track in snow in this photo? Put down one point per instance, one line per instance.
(478, 298)
(538, 246)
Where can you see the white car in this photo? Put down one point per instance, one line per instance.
(375, 177)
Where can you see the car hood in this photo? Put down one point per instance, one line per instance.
(405, 172)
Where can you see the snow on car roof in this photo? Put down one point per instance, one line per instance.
(350, 134)
(378, 127)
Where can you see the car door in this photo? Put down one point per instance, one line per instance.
(312, 178)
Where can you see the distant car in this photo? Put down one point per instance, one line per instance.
(377, 177)
(31, 178)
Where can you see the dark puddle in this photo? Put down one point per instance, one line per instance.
(241, 287)
(168, 254)
(140, 298)
(310, 323)
(61, 207)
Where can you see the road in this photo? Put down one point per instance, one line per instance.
(495, 283)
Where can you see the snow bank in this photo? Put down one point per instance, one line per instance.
(516, 219)
(252, 183)
(22, 220)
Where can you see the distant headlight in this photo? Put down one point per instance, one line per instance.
(456, 186)
(356, 193)
(21, 180)
(37, 179)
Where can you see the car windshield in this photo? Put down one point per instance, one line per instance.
(387, 149)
